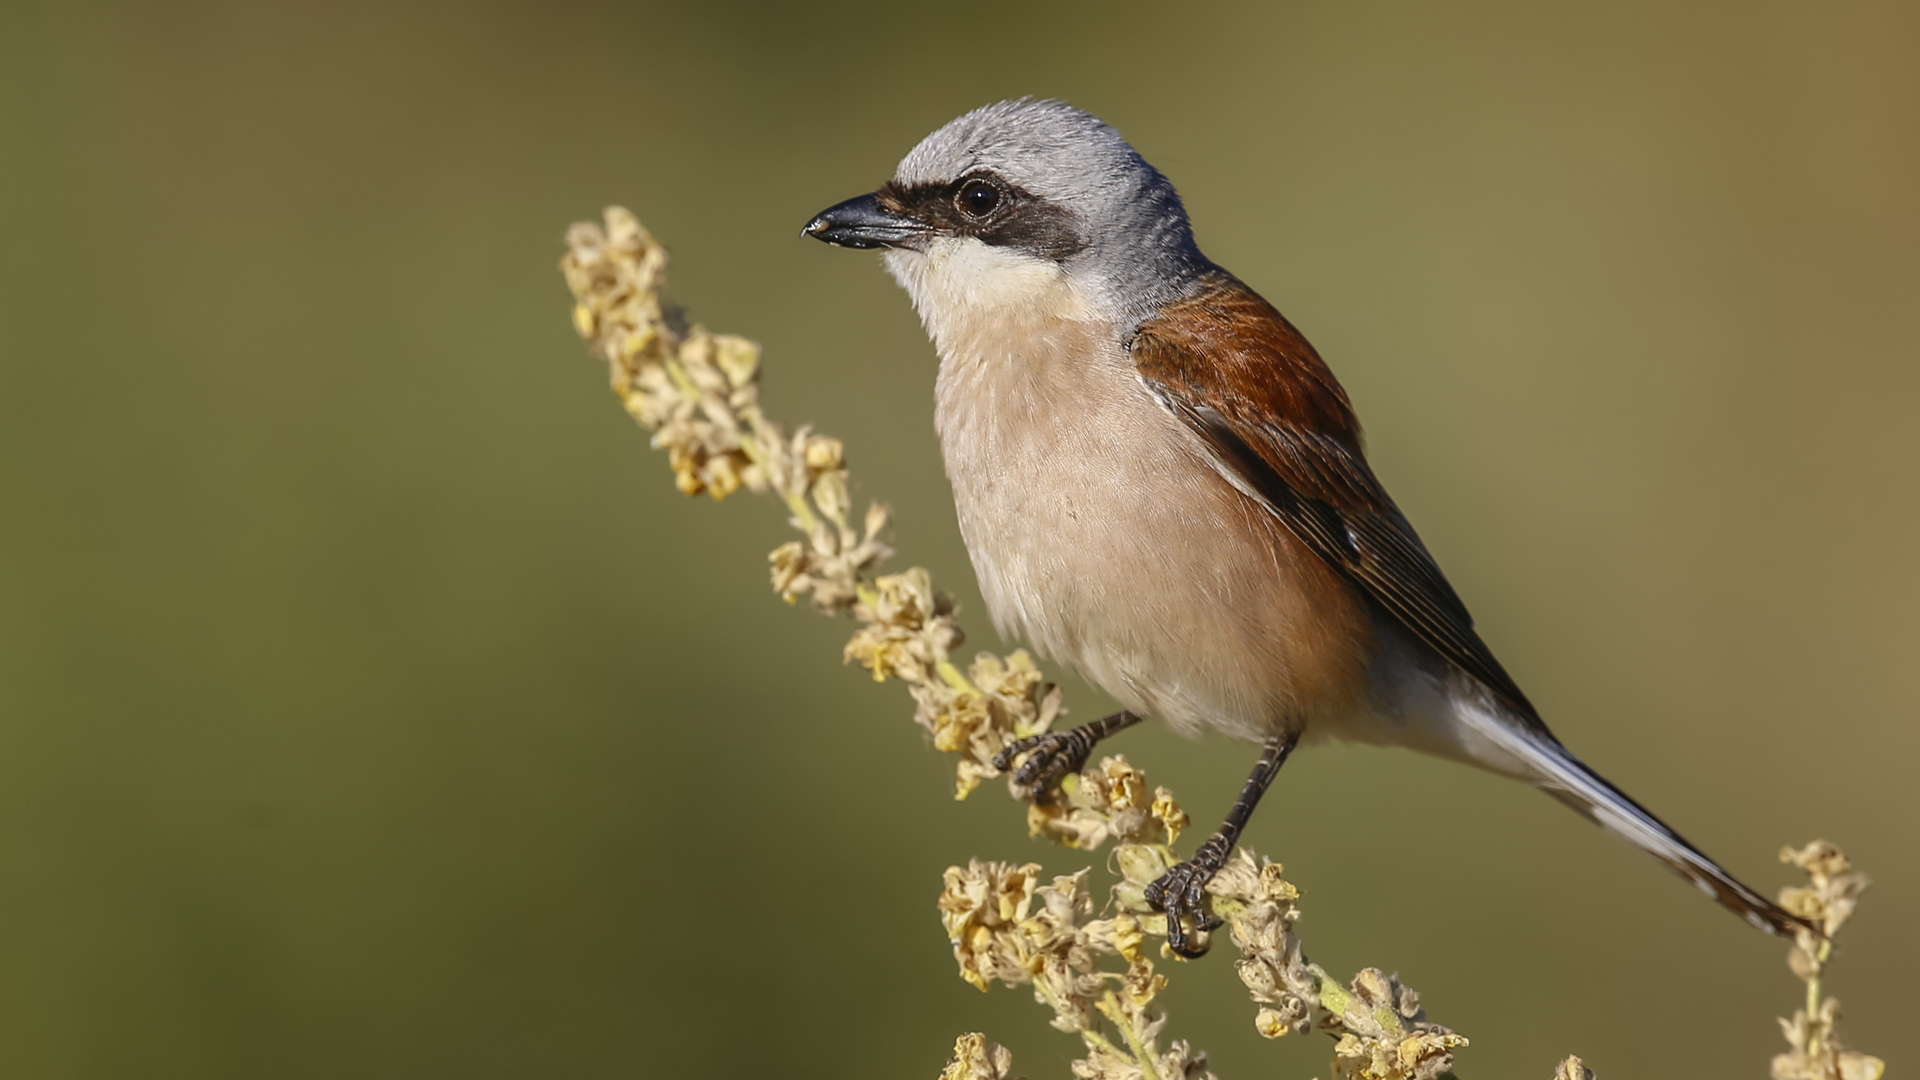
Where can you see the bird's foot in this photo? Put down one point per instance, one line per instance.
(1050, 756)
(1182, 894)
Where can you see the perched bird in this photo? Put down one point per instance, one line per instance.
(1161, 485)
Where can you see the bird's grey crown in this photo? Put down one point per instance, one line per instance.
(1141, 253)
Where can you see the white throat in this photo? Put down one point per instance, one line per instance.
(969, 292)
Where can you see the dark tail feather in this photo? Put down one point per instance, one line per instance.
(1597, 800)
(1566, 778)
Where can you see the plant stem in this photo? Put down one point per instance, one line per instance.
(1110, 1006)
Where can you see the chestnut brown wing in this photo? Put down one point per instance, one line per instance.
(1282, 431)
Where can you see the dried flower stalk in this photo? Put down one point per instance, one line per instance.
(1827, 900)
(698, 393)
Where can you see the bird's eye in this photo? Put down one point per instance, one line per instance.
(977, 198)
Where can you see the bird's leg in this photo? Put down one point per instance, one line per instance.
(1056, 753)
(1182, 891)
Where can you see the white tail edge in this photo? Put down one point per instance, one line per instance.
(1566, 778)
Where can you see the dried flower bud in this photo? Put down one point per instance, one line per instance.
(824, 454)
(975, 1059)
(980, 908)
(830, 495)
(738, 358)
(1573, 1069)
(1290, 1018)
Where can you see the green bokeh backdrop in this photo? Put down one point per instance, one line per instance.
(370, 705)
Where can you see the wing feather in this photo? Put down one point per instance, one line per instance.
(1282, 431)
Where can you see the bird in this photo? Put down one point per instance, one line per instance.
(1162, 485)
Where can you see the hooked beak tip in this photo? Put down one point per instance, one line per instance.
(863, 223)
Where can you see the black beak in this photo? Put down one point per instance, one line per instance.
(864, 223)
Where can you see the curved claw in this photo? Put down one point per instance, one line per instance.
(1182, 894)
(1054, 754)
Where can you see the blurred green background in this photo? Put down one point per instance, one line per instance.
(370, 704)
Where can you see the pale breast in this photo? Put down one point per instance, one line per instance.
(1102, 538)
